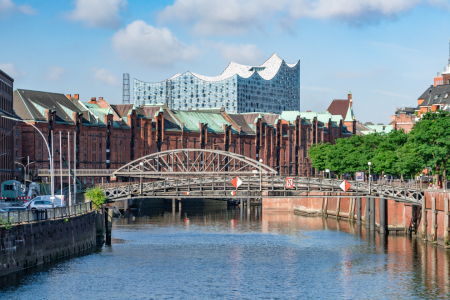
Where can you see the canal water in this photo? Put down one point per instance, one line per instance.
(211, 253)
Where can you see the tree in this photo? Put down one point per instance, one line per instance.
(318, 153)
(97, 197)
(389, 150)
(430, 138)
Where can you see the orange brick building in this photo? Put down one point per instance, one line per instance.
(109, 136)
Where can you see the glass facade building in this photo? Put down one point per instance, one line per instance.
(273, 86)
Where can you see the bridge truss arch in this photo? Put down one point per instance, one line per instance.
(193, 162)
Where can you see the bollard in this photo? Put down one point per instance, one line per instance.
(424, 218)
(382, 215)
(446, 240)
(366, 213)
(433, 220)
(372, 213)
(358, 211)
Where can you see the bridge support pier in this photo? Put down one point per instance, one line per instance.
(358, 211)
(372, 213)
(248, 206)
(108, 225)
(383, 215)
(179, 205)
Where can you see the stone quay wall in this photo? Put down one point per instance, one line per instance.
(429, 221)
(29, 244)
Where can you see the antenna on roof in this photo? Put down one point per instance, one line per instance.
(126, 88)
(449, 52)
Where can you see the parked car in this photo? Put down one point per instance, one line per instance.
(44, 202)
(39, 204)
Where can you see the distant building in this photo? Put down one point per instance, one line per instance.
(404, 118)
(443, 77)
(369, 128)
(273, 87)
(8, 152)
(434, 98)
(344, 108)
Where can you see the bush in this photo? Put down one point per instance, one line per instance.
(97, 197)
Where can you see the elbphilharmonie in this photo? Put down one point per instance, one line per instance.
(273, 86)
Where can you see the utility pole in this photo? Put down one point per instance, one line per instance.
(68, 153)
(60, 164)
(75, 168)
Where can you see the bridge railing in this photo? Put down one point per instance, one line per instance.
(34, 215)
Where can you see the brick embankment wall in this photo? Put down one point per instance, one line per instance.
(399, 215)
(27, 245)
(435, 216)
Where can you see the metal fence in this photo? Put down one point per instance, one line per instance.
(27, 216)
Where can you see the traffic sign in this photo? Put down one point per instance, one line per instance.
(345, 185)
(236, 182)
(233, 193)
(289, 182)
(187, 193)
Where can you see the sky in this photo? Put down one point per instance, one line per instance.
(386, 52)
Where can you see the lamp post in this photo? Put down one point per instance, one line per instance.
(421, 180)
(50, 157)
(141, 164)
(370, 177)
(260, 176)
(25, 167)
(328, 171)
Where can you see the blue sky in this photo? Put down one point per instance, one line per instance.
(385, 51)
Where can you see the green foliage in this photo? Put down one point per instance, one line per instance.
(97, 197)
(395, 153)
(7, 224)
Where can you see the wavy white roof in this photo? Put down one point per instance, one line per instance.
(272, 65)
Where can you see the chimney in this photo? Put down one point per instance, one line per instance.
(308, 111)
(69, 96)
(77, 96)
(93, 100)
(350, 99)
(100, 98)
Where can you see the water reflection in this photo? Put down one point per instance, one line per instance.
(214, 252)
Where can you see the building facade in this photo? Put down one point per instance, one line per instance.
(273, 87)
(109, 136)
(404, 118)
(8, 153)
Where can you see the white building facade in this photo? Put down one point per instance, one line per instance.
(273, 87)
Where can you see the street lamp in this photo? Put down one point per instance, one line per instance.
(141, 164)
(369, 163)
(25, 168)
(328, 171)
(260, 176)
(50, 157)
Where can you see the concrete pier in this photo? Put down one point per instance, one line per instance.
(372, 213)
(358, 211)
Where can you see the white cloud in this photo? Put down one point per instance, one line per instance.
(13, 71)
(8, 6)
(98, 13)
(105, 76)
(229, 17)
(150, 45)
(246, 54)
(55, 73)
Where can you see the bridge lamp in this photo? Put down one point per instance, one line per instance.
(141, 164)
(369, 163)
(260, 177)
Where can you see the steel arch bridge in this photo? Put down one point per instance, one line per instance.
(192, 162)
(219, 187)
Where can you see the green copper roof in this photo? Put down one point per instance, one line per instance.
(350, 116)
(378, 129)
(191, 120)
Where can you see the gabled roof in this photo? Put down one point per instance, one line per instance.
(436, 95)
(241, 122)
(31, 105)
(191, 119)
(339, 107)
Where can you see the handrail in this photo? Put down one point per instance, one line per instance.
(28, 216)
